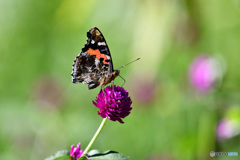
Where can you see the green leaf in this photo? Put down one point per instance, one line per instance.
(60, 155)
(107, 155)
(93, 152)
(82, 158)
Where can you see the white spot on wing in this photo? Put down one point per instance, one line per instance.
(101, 43)
(92, 41)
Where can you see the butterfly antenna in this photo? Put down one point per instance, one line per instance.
(127, 64)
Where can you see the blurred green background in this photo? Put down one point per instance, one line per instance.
(42, 111)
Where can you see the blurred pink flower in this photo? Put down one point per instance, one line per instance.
(144, 87)
(76, 152)
(205, 72)
(225, 129)
(47, 92)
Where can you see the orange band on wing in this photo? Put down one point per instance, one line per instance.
(98, 54)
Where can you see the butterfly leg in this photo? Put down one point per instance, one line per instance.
(113, 86)
(123, 80)
(103, 93)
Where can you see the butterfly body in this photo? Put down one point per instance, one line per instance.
(93, 66)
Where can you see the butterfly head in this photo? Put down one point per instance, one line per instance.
(116, 73)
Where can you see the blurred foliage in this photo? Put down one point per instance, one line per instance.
(41, 111)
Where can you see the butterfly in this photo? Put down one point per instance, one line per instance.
(93, 66)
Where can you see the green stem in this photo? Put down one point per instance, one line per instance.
(95, 136)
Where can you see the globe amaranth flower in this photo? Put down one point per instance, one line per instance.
(205, 72)
(114, 103)
(76, 152)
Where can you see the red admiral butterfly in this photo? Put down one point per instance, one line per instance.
(93, 65)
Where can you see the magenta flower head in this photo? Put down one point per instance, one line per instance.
(205, 72)
(114, 103)
(76, 152)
